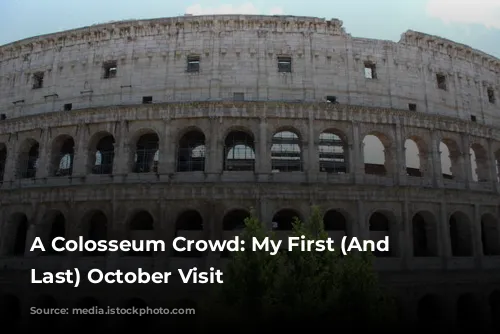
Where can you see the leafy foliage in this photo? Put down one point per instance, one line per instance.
(324, 289)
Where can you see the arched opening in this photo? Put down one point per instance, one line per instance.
(10, 313)
(380, 228)
(54, 226)
(46, 322)
(87, 323)
(14, 235)
(468, 313)
(413, 158)
(97, 229)
(460, 235)
(63, 153)
(233, 223)
(141, 227)
(479, 163)
(490, 235)
(425, 235)
(450, 159)
(239, 152)
(332, 151)
(286, 152)
(283, 225)
(139, 323)
(377, 154)
(102, 153)
(494, 301)
(189, 225)
(430, 313)
(191, 152)
(147, 154)
(335, 224)
(28, 159)
(3, 160)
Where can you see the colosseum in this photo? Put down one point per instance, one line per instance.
(178, 126)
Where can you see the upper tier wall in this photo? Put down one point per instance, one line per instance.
(238, 54)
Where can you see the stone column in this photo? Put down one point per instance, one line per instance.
(466, 161)
(264, 149)
(406, 248)
(445, 244)
(435, 161)
(81, 156)
(12, 160)
(168, 149)
(121, 161)
(213, 159)
(493, 166)
(313, 157)
(357, 165)
(44, 155)
(400, 161)
(477, 242)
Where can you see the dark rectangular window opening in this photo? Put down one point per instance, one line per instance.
(238, 96)
(147, 99)
(370, 70)
(441, 81)
(37, 80)
(285, 64)
(473, 118)
(110, 68)
(491, 95)
(68, 106)
(412, 106)
(331, 99)
(193, 64)
(3, 117)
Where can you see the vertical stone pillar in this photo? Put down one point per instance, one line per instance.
(400, 161)
(477, 242)
(122, 162)
(12, 159)
(45, 154)
(81, 156)
(466, 161)
(357, 163)
(492, 166)
(168, 151)
(264, 153)
(406, 248)
(435, 161)
(313, 157)
(445, 244)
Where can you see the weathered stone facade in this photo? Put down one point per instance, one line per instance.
(82, 153)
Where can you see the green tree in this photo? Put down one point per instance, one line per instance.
(322, 289)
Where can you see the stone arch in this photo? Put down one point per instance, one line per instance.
(191, 151)
(53, 226)
(382, 224)
(468, 313)
(145, 152)
(189, 224)
(333, 152)
(283, 219)
(494, 304)
(377, 154)
(430, 312)
(479, 163)
(3, 160)
(239, 151)
(14, 235)
(10, 312)
(425, 234)
(336, 225)
(62, 156)
(101, 153)
(27, 163)
(141, 227)
(232, 224)
(490, 235)
(286, 151)
(415, 156)
(135, 322)
(95, 225)
(460, 234)
(88, 316)
(46, 322)
(451, 156)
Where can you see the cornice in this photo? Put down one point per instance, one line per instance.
(164, 26)
(257, 110)
(450, 48)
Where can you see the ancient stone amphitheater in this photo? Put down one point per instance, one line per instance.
(178, 126)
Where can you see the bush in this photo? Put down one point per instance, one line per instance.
(321, 289)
